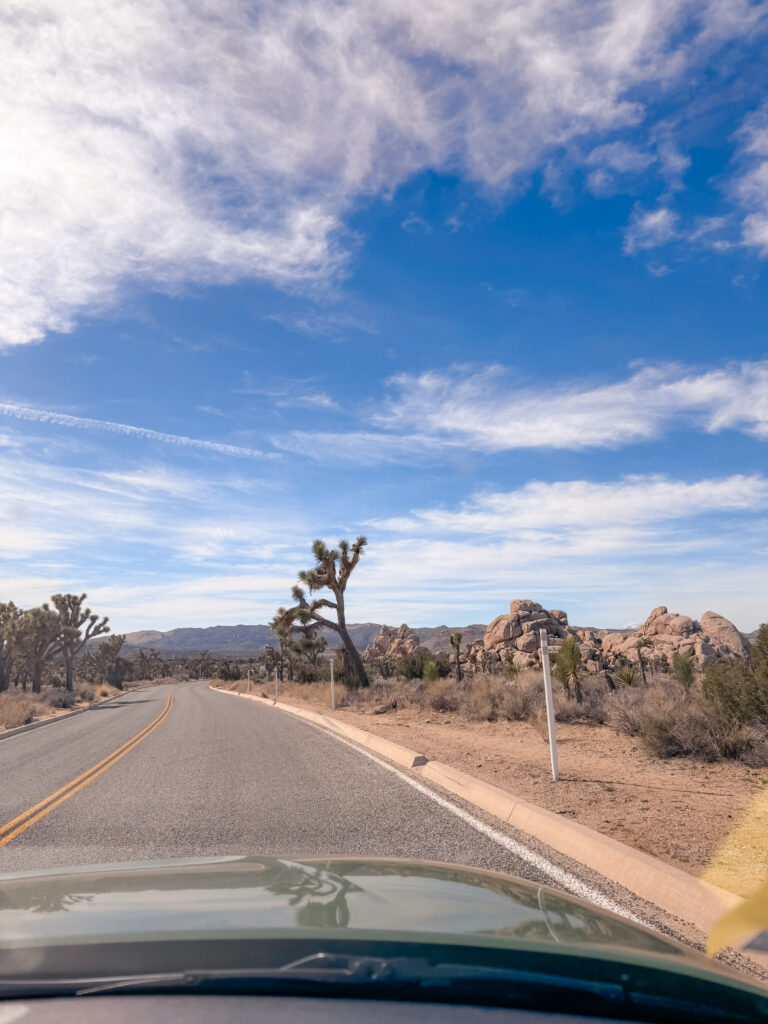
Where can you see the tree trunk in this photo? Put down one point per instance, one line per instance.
(459, 673)
(69, 674)
(355, 661)
(37, 678)
(642, 668)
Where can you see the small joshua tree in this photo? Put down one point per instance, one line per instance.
(683, 669)
(455, 642)
(639, 646)
(568, 666)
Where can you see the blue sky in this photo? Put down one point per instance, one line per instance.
(484, 281)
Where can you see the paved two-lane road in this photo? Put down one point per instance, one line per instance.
(184, 772)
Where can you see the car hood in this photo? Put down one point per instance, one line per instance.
(250, 897)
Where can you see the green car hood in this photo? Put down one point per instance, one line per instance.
(251, 898)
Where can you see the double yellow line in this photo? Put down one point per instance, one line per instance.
(14, 828)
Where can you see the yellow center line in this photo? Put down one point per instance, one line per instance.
(75, 785)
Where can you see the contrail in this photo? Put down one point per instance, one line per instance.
(26, 412)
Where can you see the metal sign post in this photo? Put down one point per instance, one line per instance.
(550, 704)
(249, 680)
(275, 684)
(333, 690)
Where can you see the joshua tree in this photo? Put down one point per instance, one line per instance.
(567, 667)
(38, 638)
(72, 617)
(331, 571)
(455, 641)
(627, 675)
(282, 626)
(683, 669)
(9, 620)
(310, 644)
(639, 645)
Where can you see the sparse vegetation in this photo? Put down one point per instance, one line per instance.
(722, 716)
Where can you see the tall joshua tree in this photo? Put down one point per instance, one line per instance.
(72, 638)
(9, 621)
(38, 639)
(331, 571)
(455, 642)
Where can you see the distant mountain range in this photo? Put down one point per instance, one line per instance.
(250, 640)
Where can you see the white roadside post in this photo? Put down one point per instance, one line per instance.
(550, 704)
(333, 690)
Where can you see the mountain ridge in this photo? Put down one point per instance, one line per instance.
(247, 640)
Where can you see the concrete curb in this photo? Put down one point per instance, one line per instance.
(60, 718)
(686, 897)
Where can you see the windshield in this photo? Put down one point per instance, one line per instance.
(383, 425)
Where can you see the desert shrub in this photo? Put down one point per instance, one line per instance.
(683, 669)
(443, 695)
(18, 709)
(412, 665)
(480, 701)
(671, 723)
(521, 698)
(87, 693)
(430, 672)
(342, 670)
(305, 672)
(57, 698)
(738, 691)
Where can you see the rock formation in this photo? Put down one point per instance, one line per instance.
(391, 643)
(514, 637)
(667, 633)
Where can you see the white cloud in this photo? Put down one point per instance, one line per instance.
(582, 505)
(486, 411)
(26, 412)
(606, 552)
(648, 229)
(752, 186)
(229, 140)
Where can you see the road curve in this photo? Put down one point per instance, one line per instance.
(183, 772)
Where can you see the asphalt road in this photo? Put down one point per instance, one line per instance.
(215, 776)
(184, 772)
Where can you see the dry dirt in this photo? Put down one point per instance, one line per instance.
(678, 810)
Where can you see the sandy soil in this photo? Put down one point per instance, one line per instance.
(681, 811)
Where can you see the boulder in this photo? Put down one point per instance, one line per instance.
(724, 634)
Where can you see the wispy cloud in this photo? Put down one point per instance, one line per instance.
(587, 505)
(288, 393)
(239, 140)
(752, 185)
(642, 540)
(27, 412)
(488, 411)
(648, 229)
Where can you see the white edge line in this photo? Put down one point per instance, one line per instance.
(563, 878)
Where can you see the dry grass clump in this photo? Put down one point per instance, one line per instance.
(20, 709)
(674, 722)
